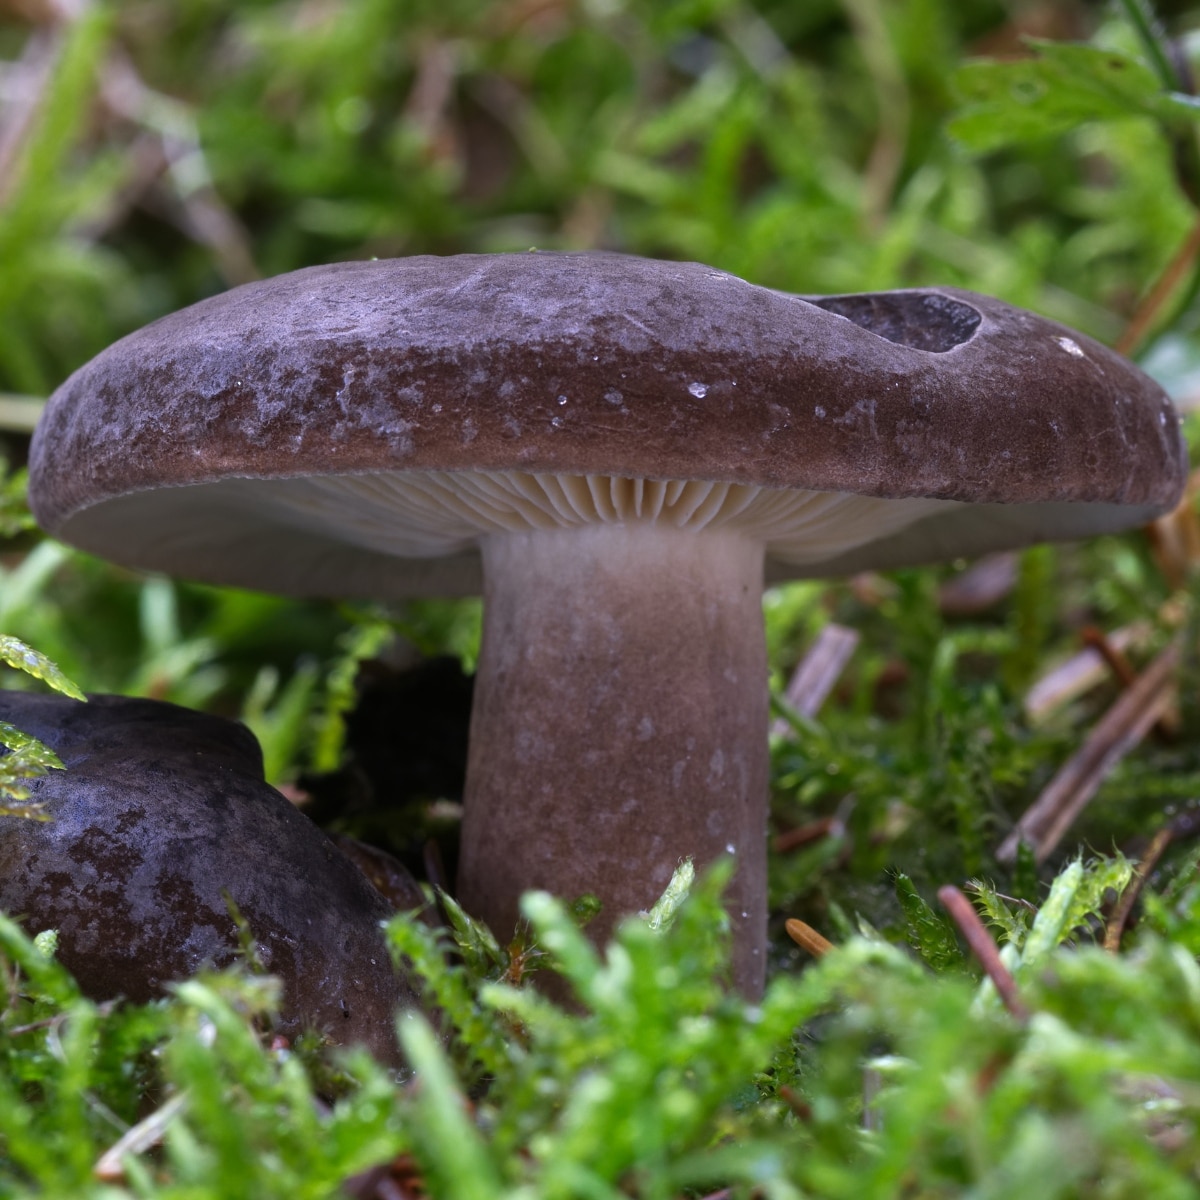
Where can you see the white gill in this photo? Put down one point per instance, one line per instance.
(427, 513)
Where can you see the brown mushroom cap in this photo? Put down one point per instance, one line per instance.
(623, 444)
(161, 814)
(590, 366)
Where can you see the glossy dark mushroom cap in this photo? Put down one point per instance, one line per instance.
(162, 810)
(588, 364)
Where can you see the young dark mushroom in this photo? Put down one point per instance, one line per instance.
(160, 818)
(618, 452)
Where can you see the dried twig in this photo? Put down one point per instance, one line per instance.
(1162, 290)
(795, 1102)
(1122, 670)
(1114, 657)
(983, 584)
(806, 936)
(802, 835)
(1131, 717)
(32, 1027)
(886, 158)
(817, 673)
(1081, 672)
(181, 187)
(1133, 889)
(963, 914)
(427, 109)
(832, 826)
(1175, 537)
(167, 168)
(29, 80)
(138, 1139)
(19, 414)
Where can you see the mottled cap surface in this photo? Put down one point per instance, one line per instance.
(161, 819)
(587, 365)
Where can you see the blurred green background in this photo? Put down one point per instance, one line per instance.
(155, 152)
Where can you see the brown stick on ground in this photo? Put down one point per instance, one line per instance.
(805, 935)
(1124, 673)
(983, 584)
(139, 1138)
(963, 913)
(802, 835)
(1175, 537)
(1158, 295)
(30, 79)
(1117, 662)
(817, 673)
(1133, 889)
(1120, 729)
(1082, 671)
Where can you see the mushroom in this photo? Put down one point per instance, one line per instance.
(162, 817)
(615, 449)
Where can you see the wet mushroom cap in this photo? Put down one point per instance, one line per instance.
(160, 814)
(618, 451)
(223, 442)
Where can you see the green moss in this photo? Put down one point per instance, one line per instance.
(819, 147)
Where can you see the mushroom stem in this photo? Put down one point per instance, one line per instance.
(620, 724)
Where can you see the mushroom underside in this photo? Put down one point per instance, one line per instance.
(395, 534)
(620, 714)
